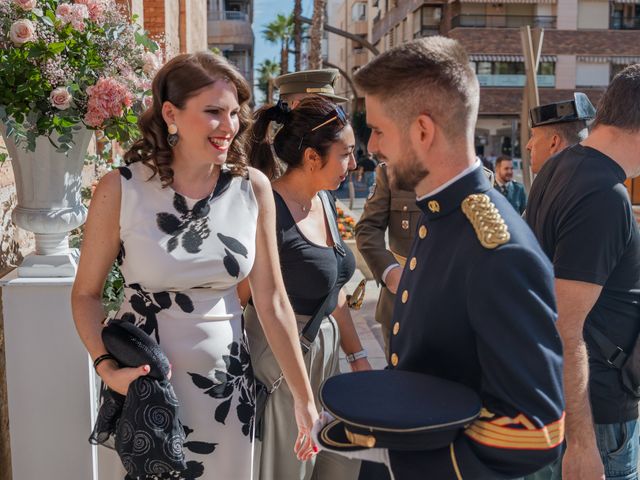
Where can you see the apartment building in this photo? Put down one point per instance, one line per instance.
(586, 42)
(351, 16)
(229, 30)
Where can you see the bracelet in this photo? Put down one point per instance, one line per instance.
(102, 358)
(352, 357)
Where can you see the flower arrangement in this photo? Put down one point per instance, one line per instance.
(346, 225)
(65, 64)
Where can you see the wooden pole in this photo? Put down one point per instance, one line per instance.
(531, 47)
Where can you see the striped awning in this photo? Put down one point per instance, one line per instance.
(608, 59)
(627, 1)
(507, 58)
(510, 1)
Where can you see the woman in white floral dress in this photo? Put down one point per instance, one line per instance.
(188, 220)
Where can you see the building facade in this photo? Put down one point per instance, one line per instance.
(229, 30)
(586, 42)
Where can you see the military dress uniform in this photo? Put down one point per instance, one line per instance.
(396, 210)
(476, 306)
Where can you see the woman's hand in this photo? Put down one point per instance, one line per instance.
(306, 415)
(360, 365)
(119, 379)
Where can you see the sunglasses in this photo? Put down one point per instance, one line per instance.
(354, 301)
(337, 114)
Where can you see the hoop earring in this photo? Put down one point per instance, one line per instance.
(172, 138)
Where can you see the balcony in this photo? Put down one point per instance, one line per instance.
(229, 28)
(228, 15)
(625, 23)
(502, 21)
(548, 81)
(427, 31)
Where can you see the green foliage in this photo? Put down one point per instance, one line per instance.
(267, 70)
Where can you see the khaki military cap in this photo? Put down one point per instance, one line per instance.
(319, 82)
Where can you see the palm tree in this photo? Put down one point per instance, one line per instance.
(297, 32)
(317, 28)
(267, 71)
(279, 32)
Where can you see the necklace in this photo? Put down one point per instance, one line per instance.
(302, 206)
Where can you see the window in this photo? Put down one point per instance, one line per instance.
(484, 68)
(591, 74)
(359, 12)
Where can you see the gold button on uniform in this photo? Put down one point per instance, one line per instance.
(394, 359)
(412, 263)
(422, 232)
(404, 208)
(405, 224)
(396, 328)
(405, 296)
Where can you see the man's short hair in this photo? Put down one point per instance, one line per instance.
(620, 105)
(570, 132)
(503, 158)
(430, 75)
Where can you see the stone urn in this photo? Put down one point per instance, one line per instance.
(49, 204)
(360, 263)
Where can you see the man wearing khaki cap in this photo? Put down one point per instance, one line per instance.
(298, 85)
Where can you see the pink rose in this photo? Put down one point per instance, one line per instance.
(60, 98)
(151, 63)
(26, 5)
(63, 11)
(22, 31)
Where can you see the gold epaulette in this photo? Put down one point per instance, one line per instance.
(486, 220)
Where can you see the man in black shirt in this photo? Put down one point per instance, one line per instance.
(580, 212)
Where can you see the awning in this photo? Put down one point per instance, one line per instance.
(508, 58)
(608, 59)
(620, 1)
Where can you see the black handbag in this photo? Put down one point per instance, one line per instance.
(627, 363)
(309, 331)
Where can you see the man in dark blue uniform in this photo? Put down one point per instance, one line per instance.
(580, 212)
(475, 303)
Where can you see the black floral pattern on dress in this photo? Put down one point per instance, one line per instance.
(125, 172)
(148, 305)
(237, 377)
(190, 228)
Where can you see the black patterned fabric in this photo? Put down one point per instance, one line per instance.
(145, 427)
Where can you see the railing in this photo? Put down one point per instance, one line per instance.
(427, 32)
(625, 23)
(514, 80)
(228, 15)
(502, 21)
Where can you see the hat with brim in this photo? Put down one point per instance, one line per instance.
(395, 409)
(311, 82)
(580, 108)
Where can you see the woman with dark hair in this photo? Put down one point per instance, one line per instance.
(188, 220)
(316, 143)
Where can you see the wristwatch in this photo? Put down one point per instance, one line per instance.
(352, 357)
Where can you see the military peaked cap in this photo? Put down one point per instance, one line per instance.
(580, 108)
(395, 409)
(319, 82)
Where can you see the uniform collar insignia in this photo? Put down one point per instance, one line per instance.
(450, 199)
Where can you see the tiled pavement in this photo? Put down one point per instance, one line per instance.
(366, 326)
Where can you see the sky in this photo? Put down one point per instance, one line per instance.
(264, 12)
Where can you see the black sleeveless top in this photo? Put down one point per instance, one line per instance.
(310, 271)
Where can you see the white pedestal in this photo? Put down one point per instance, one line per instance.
(49, 382)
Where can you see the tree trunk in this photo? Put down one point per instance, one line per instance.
(297, 32)
(317, 28)
(284, 58)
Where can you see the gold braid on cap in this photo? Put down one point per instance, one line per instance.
(486, 220)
